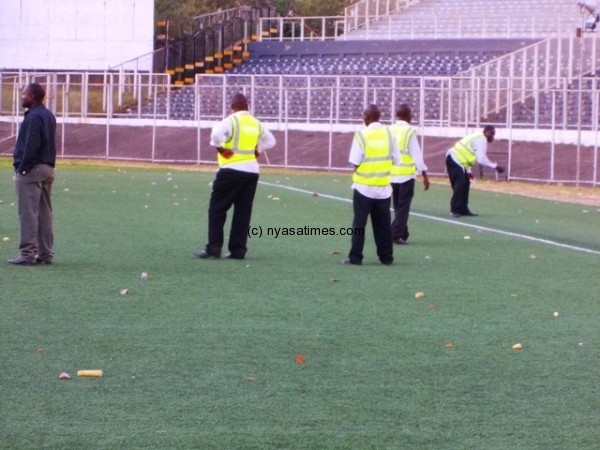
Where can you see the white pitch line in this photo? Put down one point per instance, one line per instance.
(450, 222)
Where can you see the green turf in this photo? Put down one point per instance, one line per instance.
(202, 355)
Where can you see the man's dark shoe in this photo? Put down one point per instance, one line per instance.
(347, 262)
(231, 256)
(20, 261)
(43, 261)
(454, 214)
(387, 263)
(400, 242)
(205, 255)
(471, 213)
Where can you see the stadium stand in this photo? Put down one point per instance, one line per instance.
(545, 83)
(332, 80)
(319, 64)
(469, 18)
(415, 58)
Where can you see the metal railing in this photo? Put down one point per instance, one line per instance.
(300, 28)
(87, 94)
(213, 43)
(561, 120)
(396, 27)
(554, 62)
(364, 12)
(565, 104)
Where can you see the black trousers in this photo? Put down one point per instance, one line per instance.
(402, 195)
(379, 210)
(237, 189)
(459, 203)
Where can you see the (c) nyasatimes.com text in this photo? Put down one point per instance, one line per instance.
(276, 232)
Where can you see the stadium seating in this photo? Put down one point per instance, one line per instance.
(414, 58)
(564, 104)
(320, 81)
(468, 18)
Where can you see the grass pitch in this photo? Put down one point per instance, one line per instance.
(203, 354)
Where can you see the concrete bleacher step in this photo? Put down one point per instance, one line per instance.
(444, 18)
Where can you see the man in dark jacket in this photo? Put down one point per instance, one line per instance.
(34, 158)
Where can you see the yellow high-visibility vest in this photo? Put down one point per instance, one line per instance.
(463, 150)
(377, 163)
(244, 139)
(404, 134)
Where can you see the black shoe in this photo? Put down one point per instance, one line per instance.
(471, 213)
(43, 261)
(455, 215)
(387, 263)
(20, 261)
(400, 242)
(231, 256)
(347, 262)
(205, 255)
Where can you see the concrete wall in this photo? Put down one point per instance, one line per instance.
(74, 34)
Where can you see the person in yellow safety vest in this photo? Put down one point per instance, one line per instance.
(459, 160)
(239, 138)
(373, 151)
(405, 173)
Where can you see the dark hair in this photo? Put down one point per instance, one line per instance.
(37, 91)
(373, 113)
(239, 102)
(403, 112)
(489, 128)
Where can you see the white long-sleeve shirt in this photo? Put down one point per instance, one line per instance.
(357, 155)
(223, 131)
(414, 149)
(480, 146)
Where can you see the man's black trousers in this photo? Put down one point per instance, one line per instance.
(402, 196)
(237, 189)
(459, 203)
(379, 210)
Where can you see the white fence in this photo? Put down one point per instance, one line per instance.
(551, 136)
(386, 19)
(553, 63)
(364, 12)
(391, 27)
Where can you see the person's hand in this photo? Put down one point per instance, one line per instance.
(14, 177)
(499, 169)
(470, 176)
(225, 153)
(425, 180)
(256, 153)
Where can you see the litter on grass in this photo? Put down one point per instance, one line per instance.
(91, 373)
